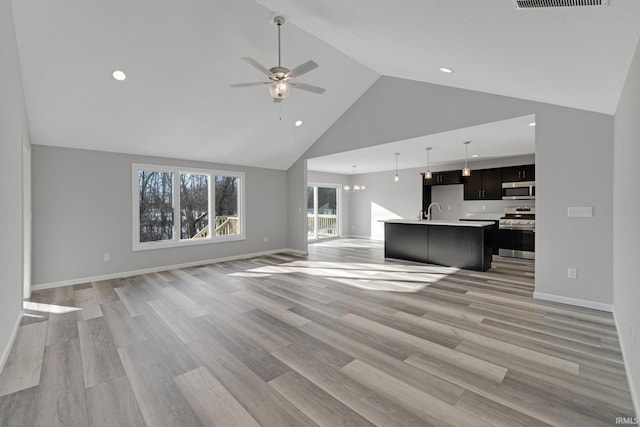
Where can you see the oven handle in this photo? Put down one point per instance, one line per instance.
(502, 227)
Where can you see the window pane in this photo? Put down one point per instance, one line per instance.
(327, 212)
(194, 206)
(156, 205)
(226, 195)
(310, 212)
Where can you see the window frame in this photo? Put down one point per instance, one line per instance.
(176, 241)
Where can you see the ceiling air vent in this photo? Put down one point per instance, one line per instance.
(524, 4)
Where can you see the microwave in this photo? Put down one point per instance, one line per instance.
(524, 190)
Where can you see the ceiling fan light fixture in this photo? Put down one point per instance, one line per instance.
(279, 90)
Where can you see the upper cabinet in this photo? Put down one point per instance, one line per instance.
(483, 184)
(519, 173)
(445, 178)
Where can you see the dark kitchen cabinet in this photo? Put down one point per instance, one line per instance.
(485, 184)
(445, 178)
(519, 173)
(426, 199)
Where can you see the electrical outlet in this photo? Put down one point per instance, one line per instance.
(572, 273)
(484, 207)
(580, 211)
(448, 207)
(266, 239)
(107, 257)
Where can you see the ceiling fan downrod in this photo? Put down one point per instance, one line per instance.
(279, 20)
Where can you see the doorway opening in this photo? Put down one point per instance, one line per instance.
(322, 211)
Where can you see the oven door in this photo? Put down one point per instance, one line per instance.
(517, 242)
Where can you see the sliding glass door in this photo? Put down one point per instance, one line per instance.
(322, 211)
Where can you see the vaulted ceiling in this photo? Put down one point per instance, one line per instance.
(182, 57)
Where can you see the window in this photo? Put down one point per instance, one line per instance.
(172, 206)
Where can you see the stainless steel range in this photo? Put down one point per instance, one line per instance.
(517, 232)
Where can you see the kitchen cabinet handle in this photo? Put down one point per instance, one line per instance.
(524, 174)
(479, 193)
(483, 196)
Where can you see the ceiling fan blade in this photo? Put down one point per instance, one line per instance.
(302, 69)
(308, 88)
(258, 66)
(250, 84)
(277, 99)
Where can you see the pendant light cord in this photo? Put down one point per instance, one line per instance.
(466, 154)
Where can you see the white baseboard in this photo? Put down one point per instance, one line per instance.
(12, 339)
(574, 301)
(635, 398)
(120, 275)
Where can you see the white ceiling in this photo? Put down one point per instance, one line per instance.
(572, 56)
(181, 57)
(506, 138)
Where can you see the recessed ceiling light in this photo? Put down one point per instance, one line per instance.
(532, 124)
(446, 70)
(474, 155)
(119, 75)
(299, 123)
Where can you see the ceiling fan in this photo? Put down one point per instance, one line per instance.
(280, 78)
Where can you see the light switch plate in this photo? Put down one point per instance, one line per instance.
(572, 273)
(580, 211)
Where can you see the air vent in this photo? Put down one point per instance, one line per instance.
(524, 4)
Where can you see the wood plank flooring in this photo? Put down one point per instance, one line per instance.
(338, 337)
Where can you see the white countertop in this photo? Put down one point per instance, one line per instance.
(440, 222)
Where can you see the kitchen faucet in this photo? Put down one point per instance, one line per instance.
(429, 209)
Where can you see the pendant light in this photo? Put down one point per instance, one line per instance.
(428, 174)
(466, 171)
(397, 177)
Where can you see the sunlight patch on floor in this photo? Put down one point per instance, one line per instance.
(49, 308)
(393, 277)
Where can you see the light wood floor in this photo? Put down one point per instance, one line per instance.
(339, 337)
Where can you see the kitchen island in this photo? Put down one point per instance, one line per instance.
(459, 244)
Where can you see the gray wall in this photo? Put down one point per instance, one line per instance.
(13, 127)
(570, 146)
(626, 228)
(82, 209)
(345, 197)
